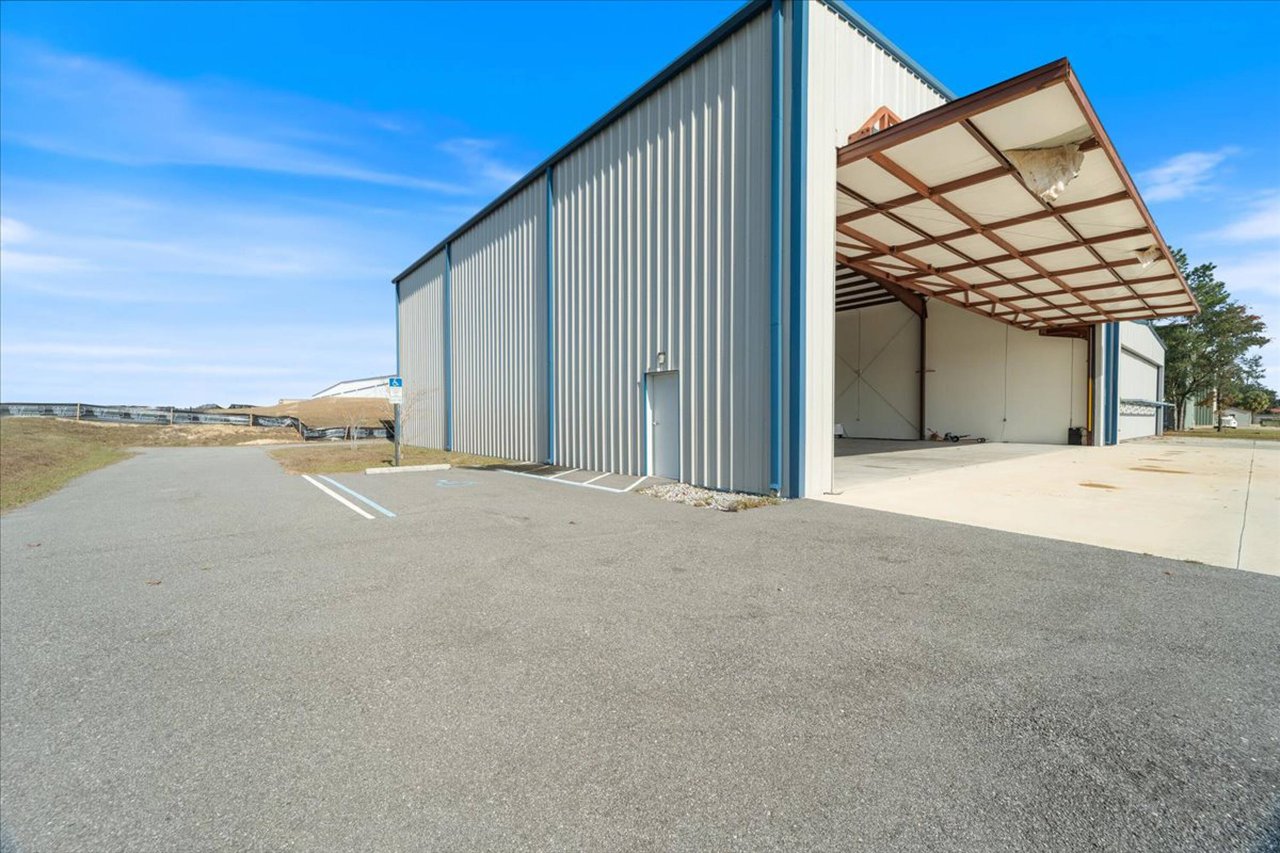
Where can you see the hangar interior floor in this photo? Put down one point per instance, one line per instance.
(861, 461)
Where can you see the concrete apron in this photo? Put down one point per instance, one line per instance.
(1201, 500)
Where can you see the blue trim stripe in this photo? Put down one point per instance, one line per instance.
(726, 29)
(551, 319)
(799, 200)
(382, 509)
(448, 348)
(1114, 395)
(397, 423)
(775, 257)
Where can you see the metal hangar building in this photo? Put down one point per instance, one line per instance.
(793, 227)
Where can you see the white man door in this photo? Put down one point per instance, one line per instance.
(662, 405)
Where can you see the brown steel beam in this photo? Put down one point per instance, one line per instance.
(981, 138)
(939, 117)
(948, 187)
(915, 229)
(1104, 141)
(1023, 254)
(1013, 221)
(915, 183)
(1010, 319)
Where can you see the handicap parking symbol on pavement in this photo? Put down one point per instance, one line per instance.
(453, 484)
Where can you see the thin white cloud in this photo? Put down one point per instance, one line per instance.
(1183, 175)
(1257, 273)
(478, 156)
(69, 350)
(1262, 222)
(85, 107)
(13, 232)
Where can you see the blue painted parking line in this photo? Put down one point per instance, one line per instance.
(382, 509)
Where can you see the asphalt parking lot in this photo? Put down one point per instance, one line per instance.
(503, 663)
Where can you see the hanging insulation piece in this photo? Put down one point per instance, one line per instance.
(1148, 256)
(1047, 171)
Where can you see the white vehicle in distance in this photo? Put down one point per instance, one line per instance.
(1229, 422)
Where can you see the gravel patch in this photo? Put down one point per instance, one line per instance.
(683, 493)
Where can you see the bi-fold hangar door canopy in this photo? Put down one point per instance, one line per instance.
(1012, 203)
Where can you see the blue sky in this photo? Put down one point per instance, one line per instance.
(206, 202)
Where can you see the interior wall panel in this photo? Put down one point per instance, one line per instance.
(989, 379)
(877, 389)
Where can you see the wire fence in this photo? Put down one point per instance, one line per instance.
(168, 415)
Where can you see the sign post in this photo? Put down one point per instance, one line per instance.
(395, 391)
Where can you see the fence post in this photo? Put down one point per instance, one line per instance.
(171, 416)
(77, 411)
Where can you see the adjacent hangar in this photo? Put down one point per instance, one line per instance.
(790, 228)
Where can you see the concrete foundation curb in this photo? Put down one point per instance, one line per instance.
(407, 468)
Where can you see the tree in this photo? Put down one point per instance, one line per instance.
(1209, 354)
(1252, 398)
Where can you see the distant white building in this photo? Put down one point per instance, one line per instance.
(373, 386)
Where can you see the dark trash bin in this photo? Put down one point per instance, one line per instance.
(1078, 436)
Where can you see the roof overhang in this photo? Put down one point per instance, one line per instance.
(935, 204)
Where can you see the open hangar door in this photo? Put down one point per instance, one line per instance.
(981, 378)
(988, 244)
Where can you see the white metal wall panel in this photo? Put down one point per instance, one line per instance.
(850, 76)
(422, 354)
(498, 300)
(662, 247)
(877, 385)
(989, 379)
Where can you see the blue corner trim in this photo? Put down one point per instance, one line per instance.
(448, 348)
(842, 9)
(1111, 381)
(775, 257)
(549, 228)
(397, 418)
(799, 199)
(1115, 383)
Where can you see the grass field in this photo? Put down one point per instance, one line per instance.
(344, 457)
(40, 455)
(1251, 433)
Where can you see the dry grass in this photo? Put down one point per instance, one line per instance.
(344, 457)
(39, 455)
(331, 411)
(1250, 433)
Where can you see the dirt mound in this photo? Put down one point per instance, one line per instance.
(331, 411)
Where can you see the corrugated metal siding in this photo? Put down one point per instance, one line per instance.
(498, 293)
(662, 246)
(422, 354)
(850, 76)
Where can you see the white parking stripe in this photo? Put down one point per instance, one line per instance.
(562, 473)
(593, 479)
(379, 507)
(337, 497)
(562, 482)
(636, 483)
